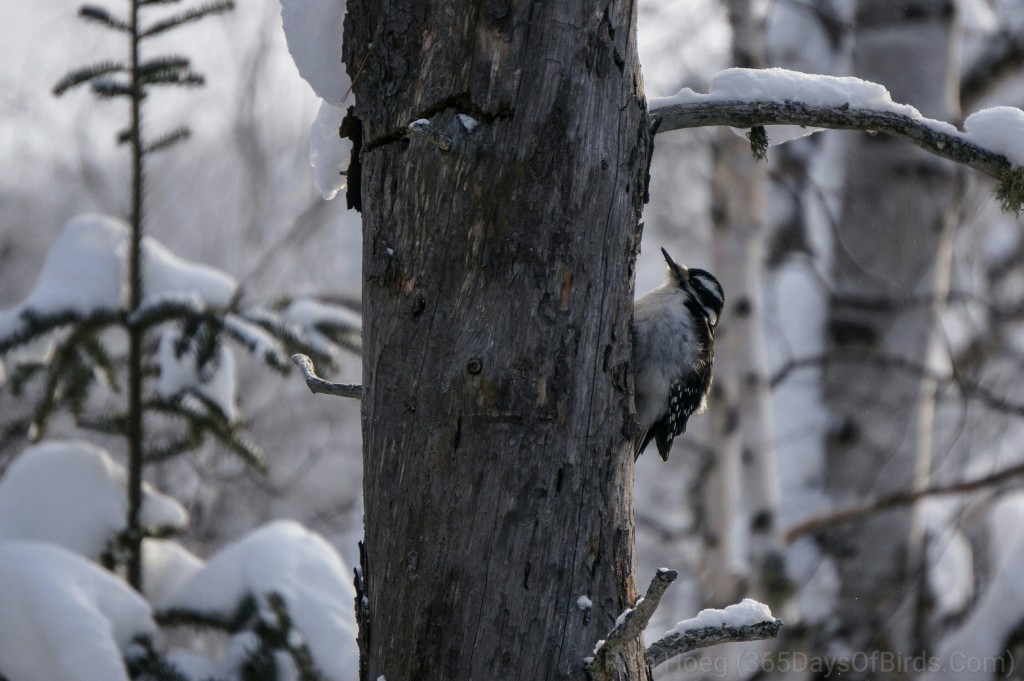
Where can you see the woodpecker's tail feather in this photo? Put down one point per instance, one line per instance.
(640, 442)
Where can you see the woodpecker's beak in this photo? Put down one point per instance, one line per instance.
(681, 270)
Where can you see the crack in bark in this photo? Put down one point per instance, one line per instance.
(461, 102)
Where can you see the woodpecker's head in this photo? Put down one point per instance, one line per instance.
(700, 285)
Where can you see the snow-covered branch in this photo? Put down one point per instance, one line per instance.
(629, 626)
(918, 131)
(746, 621)
(320, 385)
(753, 98)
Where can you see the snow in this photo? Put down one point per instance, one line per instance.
(328, 151)
(194, 667)
(743, 614)
(622, 617)
(584, 603)
(256, 339)
(179, 375)
(72, 494)
(950, 560)
(166, 565)
(313, 30)
(781, 85)
(81, 272)
(164, 274)
(315, 317)
(310, 314)
(288, 559)
(468, 122)
(86, 271)
(981, 636)
(999, 129)
(64, 618)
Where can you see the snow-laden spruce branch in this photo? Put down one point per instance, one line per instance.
(746, 621)
(750, 98)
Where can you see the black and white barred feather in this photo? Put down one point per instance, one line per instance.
(673, 353)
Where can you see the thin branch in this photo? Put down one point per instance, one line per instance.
(86, 74)
(103, 16)
(902, 498)
(684, 642)
(629, 627)
(740, 114)
(969, 389)
(193, 14)
(319, 385)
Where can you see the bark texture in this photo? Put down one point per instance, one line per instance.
(496, 303)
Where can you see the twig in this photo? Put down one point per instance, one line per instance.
(629, 627)
(683, 642)
(969, 389)
(902, 498)
(740, 114)
(319, 385)
(422, 128)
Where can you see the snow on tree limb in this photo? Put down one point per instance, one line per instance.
(686, 641)
(751, 98)
(745, 621)
(744, 114)
(629, 626)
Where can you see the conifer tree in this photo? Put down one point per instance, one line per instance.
(174, 315)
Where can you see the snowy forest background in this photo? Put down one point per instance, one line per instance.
(934, 272)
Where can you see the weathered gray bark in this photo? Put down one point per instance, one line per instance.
(496, 304)
(888, 246)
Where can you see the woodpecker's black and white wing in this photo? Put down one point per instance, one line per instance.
(687, 396)
(673, 353)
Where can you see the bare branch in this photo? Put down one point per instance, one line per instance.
(319, 385)
(903, 498)
(739, 114)
(630, 626)
(968, 389)
(679, 643)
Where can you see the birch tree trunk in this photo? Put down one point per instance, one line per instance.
(889, 250)
(742, 498)
(497, 296)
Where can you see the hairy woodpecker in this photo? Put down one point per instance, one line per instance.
(673, 351)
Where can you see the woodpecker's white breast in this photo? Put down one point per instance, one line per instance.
(665, 348)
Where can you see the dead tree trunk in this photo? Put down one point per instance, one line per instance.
(496, 304)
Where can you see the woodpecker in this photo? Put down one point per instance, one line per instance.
(673, 351)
